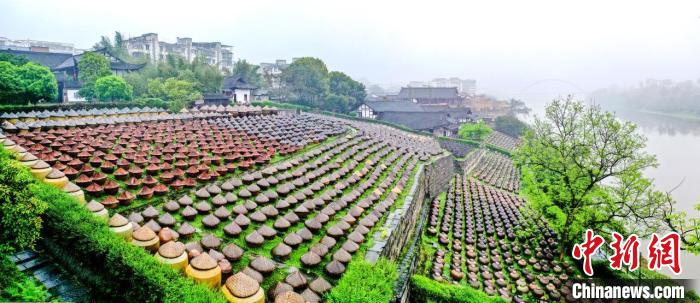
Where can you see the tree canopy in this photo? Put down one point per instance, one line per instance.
(27, 82)
(582, 168)
(353, 92)
(180, 93)
(510, 125)
(248, 72)
(307, 81)
(474, 131)
(112, 87)
(91, 67)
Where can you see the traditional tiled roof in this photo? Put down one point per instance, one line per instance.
(394, 106)
(50, 60)
(416, 120)
(234, 82)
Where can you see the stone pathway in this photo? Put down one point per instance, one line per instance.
(59, 283)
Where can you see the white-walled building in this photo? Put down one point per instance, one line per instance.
(272, 72)
(238, 90)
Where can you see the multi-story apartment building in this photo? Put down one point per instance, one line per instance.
(271, 72)
(38, 46)
(213, 53)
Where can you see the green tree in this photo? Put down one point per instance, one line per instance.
(38, 82)
(156, 89)
(113, 87)
(582, 168)
(91, 67)
(474, 131)
(510, 125)
(10, 83)
(138, 82)
(180, 93)
(248, 72)
(103, 43)
(341, 84)
(15, 60)
(306, 81)
(518, 107)
(29, 82)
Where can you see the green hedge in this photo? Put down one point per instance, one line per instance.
(364, 282)
(424, 289)
(111, 267)
(20, 211)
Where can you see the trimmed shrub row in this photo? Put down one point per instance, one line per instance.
(424, 289)
(20, 211)
(113, 268)
(365, 282)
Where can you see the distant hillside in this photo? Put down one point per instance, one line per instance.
(664, 96)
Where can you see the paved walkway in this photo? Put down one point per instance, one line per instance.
(60, 284)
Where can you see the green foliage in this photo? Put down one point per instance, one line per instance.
(510, 125)
(205, 78)
(424, 289)
(118, 270)
(15, 286)
(152, 102)
(20, 211)
(180, 93)
(306, 80)
(474, 131)
(91, 67)
(29, 82)
(248, 72)
(38, 82)
(10, 83)
(113, 87)
(138, 82)
(27, 290)
(364, 282)
(518, 107)
(14, 60)
(351, 93)
(582, 168)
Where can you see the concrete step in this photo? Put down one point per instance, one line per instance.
(31, 264)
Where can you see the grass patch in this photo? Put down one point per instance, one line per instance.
(365, 282)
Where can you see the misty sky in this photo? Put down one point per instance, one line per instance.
(505, 45)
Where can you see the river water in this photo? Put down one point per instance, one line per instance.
(676, 144)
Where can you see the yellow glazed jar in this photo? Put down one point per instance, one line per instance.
(204, 269)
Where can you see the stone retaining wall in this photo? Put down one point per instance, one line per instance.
(431, 179)
(403, 224)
